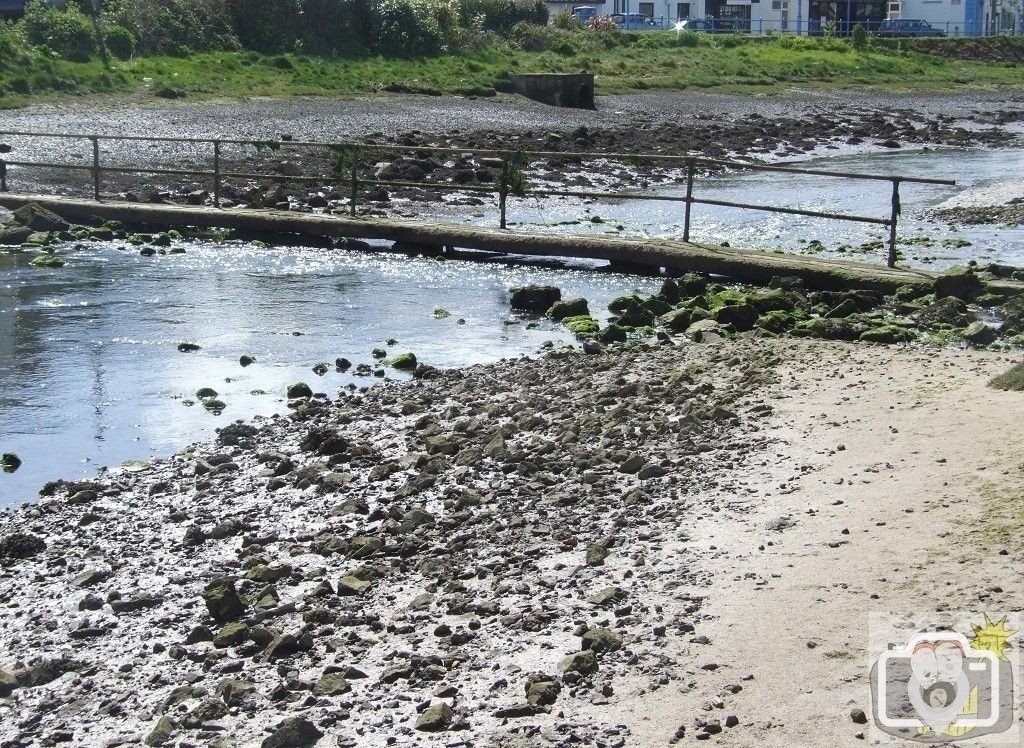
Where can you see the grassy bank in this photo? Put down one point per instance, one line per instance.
(622, 62)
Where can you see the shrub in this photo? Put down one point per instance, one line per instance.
(10, 47)
(266, 25)
(337, 27)
(566, 21)
(120, 41)
(502, 15)
(409, 28)
(67, 32)
(687, 39)
(173, 26)
(859, 38)
(533, 38)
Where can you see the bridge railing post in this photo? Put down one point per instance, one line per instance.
(893, 220)
(216, 173)
(689, 199)
(354, 193)
(503, 193)
(95, 167)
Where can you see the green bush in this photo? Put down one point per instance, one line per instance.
(533, 38)
(411, 28)
(859, 38)
(10, 48)
(338, 27)
(566, 21)
(266, 25)
(502, 15)
(68, 32)
(120, 41)
(173, 27)
(687, 39)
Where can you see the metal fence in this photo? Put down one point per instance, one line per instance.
(353, 156)
(808, 27)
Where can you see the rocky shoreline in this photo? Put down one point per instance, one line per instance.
(768, 128)
(479, 556)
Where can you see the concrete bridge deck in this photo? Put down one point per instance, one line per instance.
(674, 255)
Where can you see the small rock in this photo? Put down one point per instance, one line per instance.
(294, 732)
(436, 718)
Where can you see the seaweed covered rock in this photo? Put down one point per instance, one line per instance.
(888, 334)
(945, 313)
(20, 545)
(403, 362)
(222, 600)
(829, 329)
(582, 326)
(571, 308)
(958, 282)
(978, 333)
(741, 317)
(536, 299)
(38, 218)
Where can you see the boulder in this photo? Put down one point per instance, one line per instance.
(14, 236)
(830, 329)
(7, 684)
(741, 317)
(299, 389)
(602, 640)
(677, 319)
(612, 334)
(48, 260)
(542, 690)
(948, 311)
(887, 334)
(705, 330)
(294, 732)
(570, 308)
(403, 362)
(231, 635)
(978, 333)
(38, 218)
(331, 684)
(537, 299)
(161, 733)
(961, 283)
(582, 326)
(222, 600)
(436, 718)
(20, 545)
(596, 554)
(233, 691)
(9, 462)
(584, 663)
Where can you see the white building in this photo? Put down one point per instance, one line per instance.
(953, 17)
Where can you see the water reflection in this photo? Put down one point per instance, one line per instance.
(90, 373)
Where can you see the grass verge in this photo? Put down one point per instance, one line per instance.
(621, 62)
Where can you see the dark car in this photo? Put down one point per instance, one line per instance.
(906, 27)
(709, 25)
(16, 8)
(633, 21)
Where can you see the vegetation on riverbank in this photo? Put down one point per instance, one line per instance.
(471, 52)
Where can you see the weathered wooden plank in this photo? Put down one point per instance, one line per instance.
(743, 265)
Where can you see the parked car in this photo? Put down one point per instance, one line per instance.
(710, 25)
(16, 8)
(633, 21)
(907, 27)
(584, 13)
